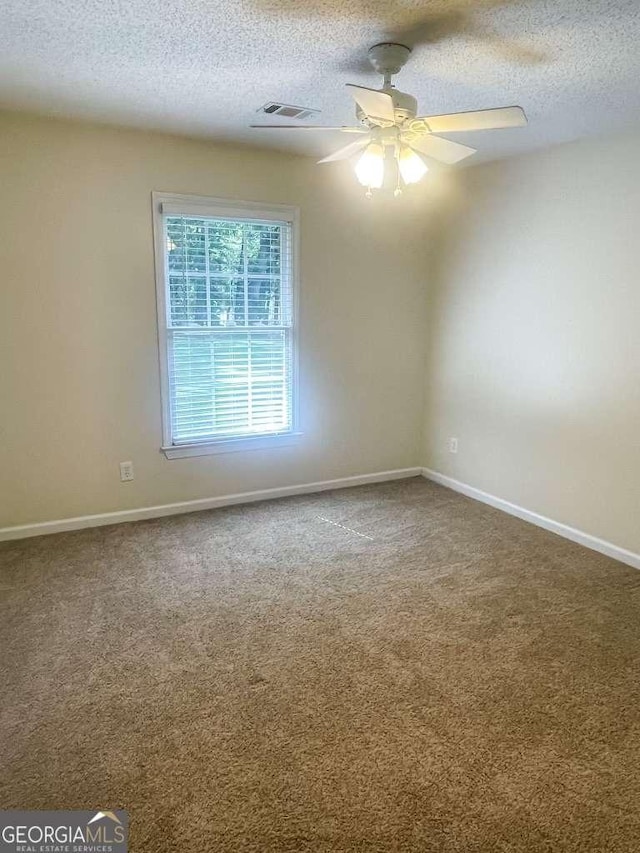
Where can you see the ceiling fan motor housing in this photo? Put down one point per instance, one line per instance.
(405, 106)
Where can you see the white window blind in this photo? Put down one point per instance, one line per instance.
(228, 288)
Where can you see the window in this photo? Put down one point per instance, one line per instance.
(226, 310)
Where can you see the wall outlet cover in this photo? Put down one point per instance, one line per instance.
(126, 472)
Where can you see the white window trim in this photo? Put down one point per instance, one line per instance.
(220, 207)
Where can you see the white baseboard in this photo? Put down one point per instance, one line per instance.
(60, 525)
(39, 529)
(579, 536)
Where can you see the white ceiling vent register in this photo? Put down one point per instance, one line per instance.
(273, 108)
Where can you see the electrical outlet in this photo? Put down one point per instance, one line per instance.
(126, 471)
(453, 445)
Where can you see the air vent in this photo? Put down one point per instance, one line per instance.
(287, 110)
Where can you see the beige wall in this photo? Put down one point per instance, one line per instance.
(79, 385)
(534, 357)
(533, 353)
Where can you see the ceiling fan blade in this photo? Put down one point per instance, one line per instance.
(441, 149)
(476, 120)
(344, 128)
(375, 104)
(346, 151)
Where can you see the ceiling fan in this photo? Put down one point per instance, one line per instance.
(388, 122)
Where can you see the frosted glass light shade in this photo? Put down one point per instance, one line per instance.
(412, 166)
(370, 166)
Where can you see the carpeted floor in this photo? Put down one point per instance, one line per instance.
(385, 668)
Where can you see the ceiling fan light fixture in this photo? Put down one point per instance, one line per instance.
(411, 165)
(370, 166)
(388, 121)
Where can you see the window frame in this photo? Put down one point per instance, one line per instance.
(164, 203)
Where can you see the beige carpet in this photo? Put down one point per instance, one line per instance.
(385, 668)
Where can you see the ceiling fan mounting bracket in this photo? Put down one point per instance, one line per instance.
(388, 58)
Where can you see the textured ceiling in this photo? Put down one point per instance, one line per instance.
(203, 67)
